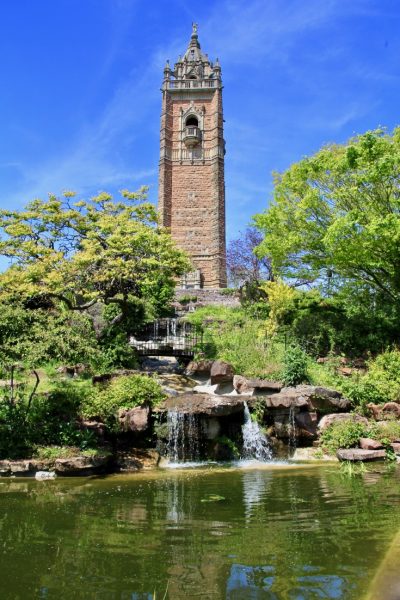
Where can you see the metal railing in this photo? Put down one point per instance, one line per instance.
(167, 337)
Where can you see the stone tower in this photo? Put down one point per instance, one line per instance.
(191, 198)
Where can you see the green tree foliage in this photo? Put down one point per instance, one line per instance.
(335, 217)
(37, 336)
(89, 251)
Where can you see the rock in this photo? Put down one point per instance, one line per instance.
(5, 468)
(103, 378)
(221, 372)
(134, 419)
(360, 363)
(204, 404)
(81, 465)
(381, 412)
(136, 459)
(345, 371)
(21, 468)
(286, 399)
(358, 454)
(199, 367)
(65, 370)
(250, 386)
(43, 475)
(327, 420)
(323, 359)
(369, 444)
(307, 421)
(395, 447)
(211, 428)
(375, 411)
(315, 397)
(392, 409)
(311, 454)
(97, 427)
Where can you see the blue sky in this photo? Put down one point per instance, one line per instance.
(80, 100)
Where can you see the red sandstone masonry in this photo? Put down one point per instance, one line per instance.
(192, 191)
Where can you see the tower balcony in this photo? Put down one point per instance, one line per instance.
(191, 136)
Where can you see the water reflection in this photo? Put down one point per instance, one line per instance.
(287, 534)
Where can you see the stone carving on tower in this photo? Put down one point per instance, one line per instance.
(191, 199)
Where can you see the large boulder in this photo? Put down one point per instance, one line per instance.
(384, 412)
(221, 372)
(82, 465)
(307, 422)
(315, 397)
(358, 454)
(253, 385)
(136, 459)
(328, 420)
(199, 367)
(369, 444)
(134, 419)
(204, 404)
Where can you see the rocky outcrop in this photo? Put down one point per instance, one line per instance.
(328, 420)
(360, 455)
(369, 444)
(204, 404)
(82, 465)
(136, 459)
(134, 419)
(307, 422)
(221, 372)
(314, 397)
(253, 385)
(199, 367)
(387, 411)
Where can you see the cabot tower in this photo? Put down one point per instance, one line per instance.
(191, 199)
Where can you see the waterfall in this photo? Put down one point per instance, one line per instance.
(183, 437)
(292, 441)
(255, 443)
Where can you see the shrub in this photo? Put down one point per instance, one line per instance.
(295, 366)
(342, 434)
(384, 375)
(385, 431)
(360, 392)
(127, 391)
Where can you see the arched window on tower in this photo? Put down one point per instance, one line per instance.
(192, 132)
(192, 121)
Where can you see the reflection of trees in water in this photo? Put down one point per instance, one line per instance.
(278, 532)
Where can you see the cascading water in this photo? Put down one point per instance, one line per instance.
(255, 443)
(183, 437)
(292, 438)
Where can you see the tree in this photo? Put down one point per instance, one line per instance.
(242, 263)
(337, 214)
(83, 252)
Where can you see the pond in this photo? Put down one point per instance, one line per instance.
(276, 533)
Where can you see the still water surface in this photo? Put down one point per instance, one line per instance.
(301, 533)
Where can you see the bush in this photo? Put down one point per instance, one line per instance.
(384, 375)
(342, 434)
(360, 392)
(51, 418)
(295, 366)
(127, 391)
